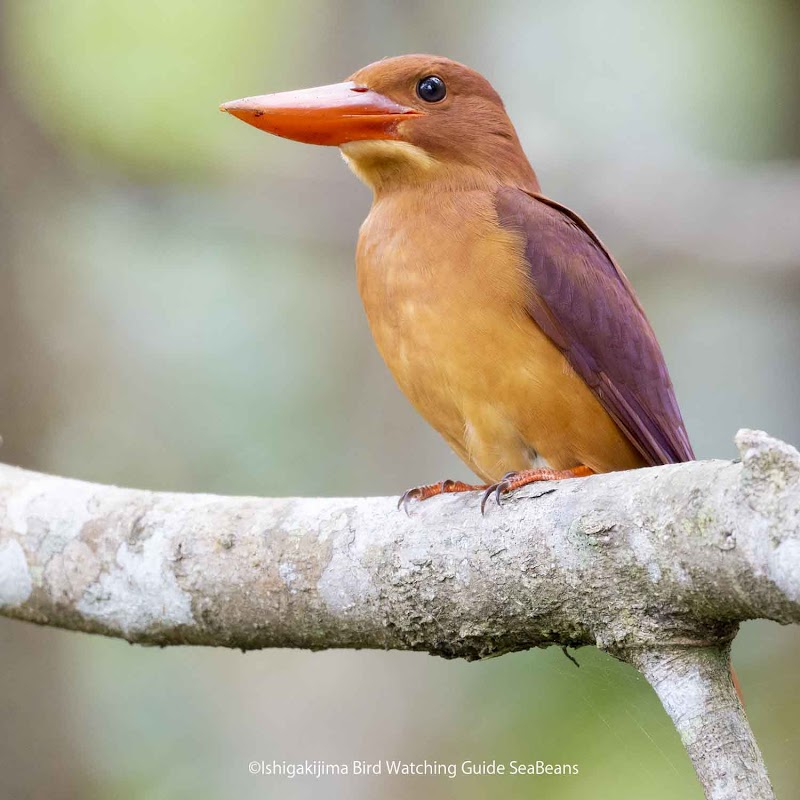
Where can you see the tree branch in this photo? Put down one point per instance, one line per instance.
(644, 564)
(695, 687)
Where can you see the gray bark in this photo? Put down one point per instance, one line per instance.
(656, 566)
(694, 685)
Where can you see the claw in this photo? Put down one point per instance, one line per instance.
(497, 490)
(406, 497)
(485, 498)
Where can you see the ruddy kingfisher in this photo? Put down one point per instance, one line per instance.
(500, 313)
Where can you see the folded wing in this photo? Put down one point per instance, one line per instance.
(582, 300)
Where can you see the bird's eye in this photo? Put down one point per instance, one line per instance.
(431, 89)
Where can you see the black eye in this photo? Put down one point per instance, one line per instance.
(431, 89)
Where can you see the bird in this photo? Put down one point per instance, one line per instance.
(500, 313)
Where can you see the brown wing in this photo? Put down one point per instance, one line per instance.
(582, 300)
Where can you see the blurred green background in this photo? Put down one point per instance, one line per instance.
(178, 311)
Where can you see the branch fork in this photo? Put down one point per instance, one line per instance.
(656, 566)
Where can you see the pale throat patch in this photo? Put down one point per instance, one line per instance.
(374, 161)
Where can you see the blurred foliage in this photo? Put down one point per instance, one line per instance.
(135, 81)
(178, 311)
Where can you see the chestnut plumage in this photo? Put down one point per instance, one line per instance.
(499, 312)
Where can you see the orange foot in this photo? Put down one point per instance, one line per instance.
(432, 489)
(515, 480)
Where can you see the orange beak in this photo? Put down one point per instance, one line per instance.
(332, 115)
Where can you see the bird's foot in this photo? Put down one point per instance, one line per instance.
(515, 480)
(421, 493)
